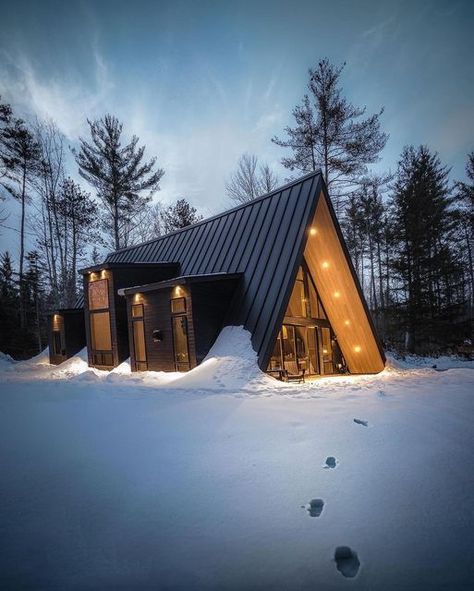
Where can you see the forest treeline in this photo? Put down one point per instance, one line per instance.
(409, 231)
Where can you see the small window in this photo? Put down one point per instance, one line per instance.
(178, 306)
(137, 311)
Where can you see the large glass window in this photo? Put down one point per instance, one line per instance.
(326, 350)
(180, 342)
(297, 304)
(99, 294)
(275, 362)
(139, 341)
(100, 331)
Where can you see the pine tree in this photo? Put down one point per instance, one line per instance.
(5, 120)
(464, 216)
(78, 215)
(179, 215)
(422, 262)
(20, 155)
(95, 256)
(118, 174)
(330, 133)
(9, 303)
(250, 180)
(34, 287)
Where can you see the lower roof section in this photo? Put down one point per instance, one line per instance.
(176, 281)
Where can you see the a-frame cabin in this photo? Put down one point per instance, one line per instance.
(277, 265)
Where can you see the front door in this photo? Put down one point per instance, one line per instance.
(139, 347)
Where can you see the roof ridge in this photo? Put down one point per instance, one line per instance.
(222, 213)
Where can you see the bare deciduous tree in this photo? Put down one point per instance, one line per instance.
(250, 180)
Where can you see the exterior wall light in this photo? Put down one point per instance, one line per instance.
(313, 231)
(337, 294)
(357, 349)
(347, 322)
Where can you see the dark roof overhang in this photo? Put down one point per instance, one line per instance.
(183, 280)
(62, 311)
(146, 265)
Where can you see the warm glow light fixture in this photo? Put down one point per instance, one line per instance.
(347, 322)
(313, 231)
(357, 349)
(137, 297)
(337, 294)
(325, 265)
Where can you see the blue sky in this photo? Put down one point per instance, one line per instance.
(202, 82)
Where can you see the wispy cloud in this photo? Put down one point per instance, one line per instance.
(66, 98)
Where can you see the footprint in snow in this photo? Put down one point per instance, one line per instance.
(331, 462)
(361, 422)
(347, 561)
(315, 507)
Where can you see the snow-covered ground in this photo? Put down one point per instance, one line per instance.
(205, 480)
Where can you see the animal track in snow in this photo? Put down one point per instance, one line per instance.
(347, 561)
(315, 507)
(361, 422)
(331, 462)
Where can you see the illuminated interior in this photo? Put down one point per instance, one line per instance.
(306, 340)
(99, 318)
(326, 329)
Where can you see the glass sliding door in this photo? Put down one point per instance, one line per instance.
(306, 340)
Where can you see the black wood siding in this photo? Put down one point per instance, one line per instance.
(157, 316)
(73, 336)
(118, 278)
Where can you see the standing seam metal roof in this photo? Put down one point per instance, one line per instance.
(263, 240)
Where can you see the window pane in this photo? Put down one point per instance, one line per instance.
(139, 340)
(297, 305)
(98, 294)
(180, 339)
(288, 343)
(313, 300)
(100, 331)
(275, 359)
(178, 305)
(137, 311)
(326, 347)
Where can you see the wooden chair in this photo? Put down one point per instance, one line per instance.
(293, 373)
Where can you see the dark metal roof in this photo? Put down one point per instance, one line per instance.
(263, 240)
(181, 280)
(113, 265)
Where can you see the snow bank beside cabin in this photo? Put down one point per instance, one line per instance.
(230, 367)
